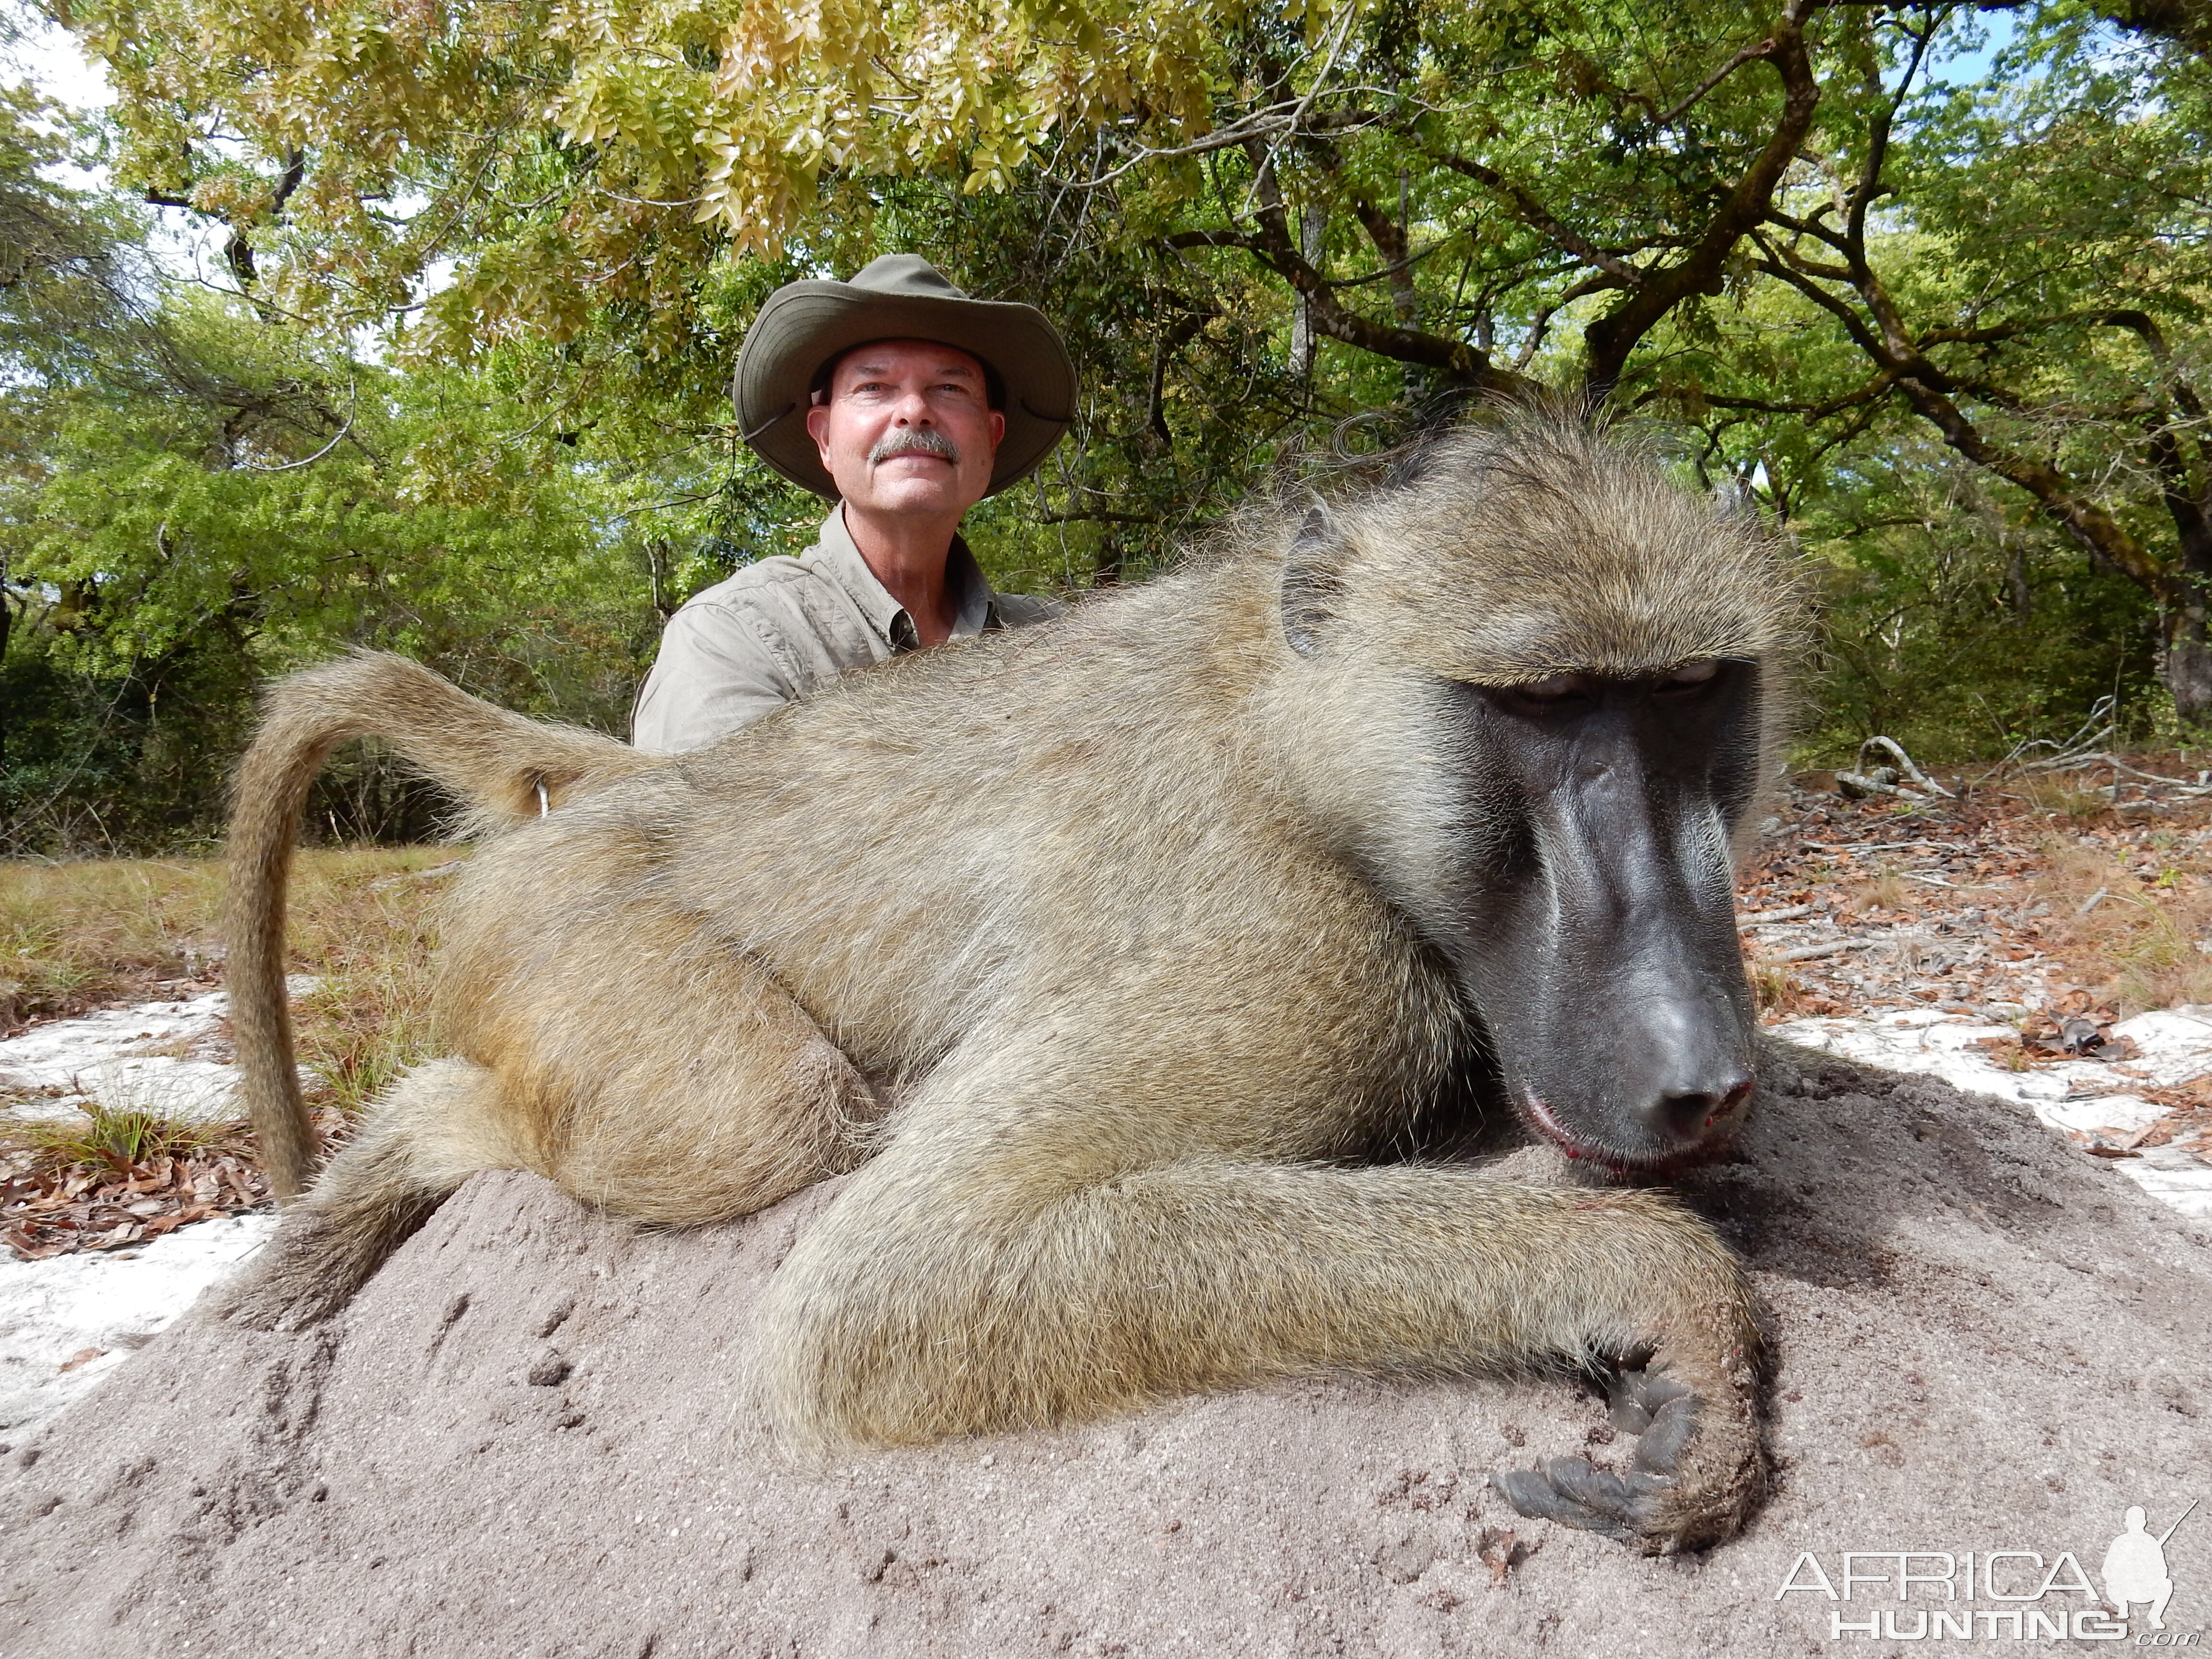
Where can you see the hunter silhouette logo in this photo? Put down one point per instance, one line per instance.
(2135, 1566)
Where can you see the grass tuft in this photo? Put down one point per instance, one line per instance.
(116, 1138)
(75, 936)
(362, 923)
(2136, 945)
(1887, 890)
(1774, 988)
(2063, 793)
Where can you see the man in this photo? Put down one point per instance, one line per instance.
(904, 402)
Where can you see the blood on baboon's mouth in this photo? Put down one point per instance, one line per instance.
(1612, 1159)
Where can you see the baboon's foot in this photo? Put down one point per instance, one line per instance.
(1694, 1478)
(312, 1267)
(277, 1301)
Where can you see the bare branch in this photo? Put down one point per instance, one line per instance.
(1272, 244)
(1870, 186)
(1873, 391)
(1750, 54)
(1540, 217)
(1612, 337)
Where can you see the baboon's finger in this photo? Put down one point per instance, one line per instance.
(1634, 1380)
(1532, 1495)
(1659, 1448)
(1636, 1394)
(1575, 1493)
(1624, 1402)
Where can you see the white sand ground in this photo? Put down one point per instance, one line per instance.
(151, 1058)
(105, 1305)
(2083, 1096)
(165, 1057)
(169, 1058)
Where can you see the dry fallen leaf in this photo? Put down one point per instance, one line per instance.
(1498, 1550)
(46, 1211)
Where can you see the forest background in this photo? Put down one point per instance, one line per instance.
(449, 374)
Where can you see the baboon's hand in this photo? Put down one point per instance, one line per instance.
(1694, 1476)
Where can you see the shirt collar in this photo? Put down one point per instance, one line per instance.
(841, 560)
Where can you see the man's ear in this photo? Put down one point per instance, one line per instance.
(998, 429)
(1313, 581)
(817, 422)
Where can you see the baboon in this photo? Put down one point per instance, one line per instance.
(1122, 960)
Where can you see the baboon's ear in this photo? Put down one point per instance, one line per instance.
(1312, 582)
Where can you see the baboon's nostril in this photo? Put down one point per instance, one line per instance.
(1693, 1113)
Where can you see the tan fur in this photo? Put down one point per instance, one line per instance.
(1120, 912)
(498, 761)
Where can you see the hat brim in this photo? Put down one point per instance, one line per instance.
(804, 324)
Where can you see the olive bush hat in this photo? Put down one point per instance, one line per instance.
(900, 296)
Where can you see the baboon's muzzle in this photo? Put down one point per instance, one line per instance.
(1602, 947)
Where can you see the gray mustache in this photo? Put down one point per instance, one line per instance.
(923, 439)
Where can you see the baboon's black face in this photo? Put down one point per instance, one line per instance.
(1596, 929)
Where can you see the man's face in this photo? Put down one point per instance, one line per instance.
(908, 428)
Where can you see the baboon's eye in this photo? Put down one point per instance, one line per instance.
(1689, 676)
(1560, 688)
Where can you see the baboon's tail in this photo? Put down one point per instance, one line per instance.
(505, 767)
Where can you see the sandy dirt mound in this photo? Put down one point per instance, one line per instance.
(533, 1435)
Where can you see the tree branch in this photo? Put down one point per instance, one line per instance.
(2106, 540)
(1748, 55)
(1272, 244)
(1540, 217)
(1873, 389)
(1870, 186)
(1596, 283)
(2154, 338)
(1612, 337)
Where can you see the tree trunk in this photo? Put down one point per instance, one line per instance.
(2187, 669)
(2023, 597)
(1313, 228)
(7, 622)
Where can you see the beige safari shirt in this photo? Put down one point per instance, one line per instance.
(782, 627)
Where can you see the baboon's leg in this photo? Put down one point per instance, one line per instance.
(506, 766)
(438, 1126)
(658, 1074)
(732, 1100)
(1036, 1247)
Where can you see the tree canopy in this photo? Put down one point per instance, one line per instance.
(1923, 278)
